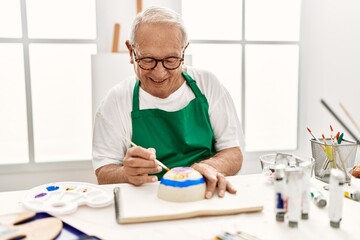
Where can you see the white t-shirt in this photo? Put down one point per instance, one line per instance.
(113, 117)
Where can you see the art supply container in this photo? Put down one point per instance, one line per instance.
(270, 160)
(331, 155)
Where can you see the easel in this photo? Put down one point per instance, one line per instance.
(116, 37)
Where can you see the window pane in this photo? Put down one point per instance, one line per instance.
(10, 19)
(205, 19)
(13, 120)
(271, 97)
(61, 19)
(276, 20)
(224, 60)
(61, 96)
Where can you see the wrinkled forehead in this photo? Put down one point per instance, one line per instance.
(158, 35)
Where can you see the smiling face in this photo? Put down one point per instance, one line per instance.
(158, 41)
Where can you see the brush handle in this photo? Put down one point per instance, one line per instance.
(158, 162)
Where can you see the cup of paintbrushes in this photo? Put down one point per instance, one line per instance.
(329, 154)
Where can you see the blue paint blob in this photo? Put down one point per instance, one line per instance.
(181, 184)
(52, 188)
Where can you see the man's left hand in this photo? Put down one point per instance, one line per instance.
(215, 181)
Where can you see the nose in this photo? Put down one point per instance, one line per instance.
(159, 68)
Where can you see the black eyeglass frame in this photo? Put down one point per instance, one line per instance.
(158, 60)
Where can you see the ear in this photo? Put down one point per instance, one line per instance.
(129, 47)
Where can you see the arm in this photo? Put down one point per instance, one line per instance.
(224, 163)
(137, 165)
(110, 173)
(113, 160)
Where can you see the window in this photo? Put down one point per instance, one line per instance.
(45, 80)
(253, 47)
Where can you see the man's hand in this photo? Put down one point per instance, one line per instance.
(214, 179)
(138, 163)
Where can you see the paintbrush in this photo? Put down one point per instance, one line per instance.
(350, 117)
(340, 121)
(315, 138)
(332, 135)
(160, 163)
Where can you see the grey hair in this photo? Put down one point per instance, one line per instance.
(159, 15)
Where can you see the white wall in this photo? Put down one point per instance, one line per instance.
(330, 65)
(27, 179)
(330, 69)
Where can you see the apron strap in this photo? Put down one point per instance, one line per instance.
(136, 96)
(190, 82)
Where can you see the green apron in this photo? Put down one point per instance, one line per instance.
(181, 138)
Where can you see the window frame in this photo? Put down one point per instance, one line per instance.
(254, 155)
(31, 165)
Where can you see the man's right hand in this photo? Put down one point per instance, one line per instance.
(138, 163)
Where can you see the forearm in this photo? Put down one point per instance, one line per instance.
(111, 173)
(227, 161)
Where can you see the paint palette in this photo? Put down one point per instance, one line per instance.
(65, 197)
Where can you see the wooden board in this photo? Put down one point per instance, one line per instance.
(46, 228)
(37, 226)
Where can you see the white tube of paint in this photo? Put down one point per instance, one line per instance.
(318, 198)
(306, 168)
(336, 196)
(280, 192)
(294, 190)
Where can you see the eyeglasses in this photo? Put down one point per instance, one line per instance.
(150, 63)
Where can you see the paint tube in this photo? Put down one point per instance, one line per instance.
(306, 168)
(336, 188)
(349, 193)
(280, 187)
(352, 194)
(317, 198)
(293, 187)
